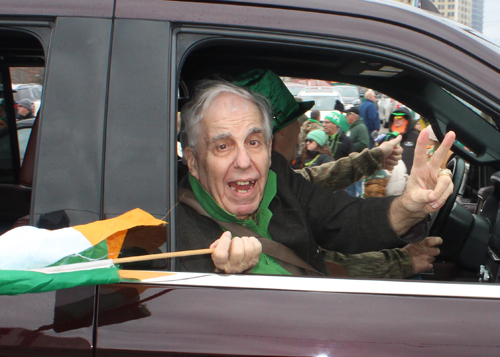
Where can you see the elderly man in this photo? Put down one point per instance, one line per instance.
(361, 139)
(336, 128)
(369, 112)
(226, 137)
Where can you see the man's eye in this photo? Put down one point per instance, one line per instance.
(253, 143)
(222, 147)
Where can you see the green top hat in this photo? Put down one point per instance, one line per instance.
(284, 106)
(338, 119)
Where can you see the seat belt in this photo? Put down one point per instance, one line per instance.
(284, 255)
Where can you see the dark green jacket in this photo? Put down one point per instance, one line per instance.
(359, 135)
(305, 216)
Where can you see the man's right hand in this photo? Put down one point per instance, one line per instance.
(235, 255)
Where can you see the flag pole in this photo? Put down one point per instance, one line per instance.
(183, 253)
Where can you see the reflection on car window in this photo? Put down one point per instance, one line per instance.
(23, 136)
(483, 115)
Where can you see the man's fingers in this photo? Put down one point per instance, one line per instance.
(440, 154)
(433, 241)
(220, 255)
(253, 248)
(388, 147)
(443, 190)
(236, 251)
(420, 155)
(237, 254)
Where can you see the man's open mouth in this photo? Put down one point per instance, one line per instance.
(241, 186)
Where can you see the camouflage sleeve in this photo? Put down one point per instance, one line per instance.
(345, 171)
(386, 264)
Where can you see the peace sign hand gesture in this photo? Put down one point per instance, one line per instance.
(427, 190)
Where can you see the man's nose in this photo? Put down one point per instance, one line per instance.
(243, 160)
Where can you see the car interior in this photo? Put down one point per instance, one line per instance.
(467, 223)
(467, 220)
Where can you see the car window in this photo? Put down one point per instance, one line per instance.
(426, 91)
(23, 136)
(6, 161)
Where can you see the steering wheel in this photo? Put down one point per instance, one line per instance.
(457, 167)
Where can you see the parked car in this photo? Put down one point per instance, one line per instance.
(295, 88)
(116, 74)
(32, 92)
(325, 99)
(350, 95)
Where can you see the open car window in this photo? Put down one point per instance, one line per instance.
(440, 101)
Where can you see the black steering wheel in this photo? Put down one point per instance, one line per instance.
(457, 167)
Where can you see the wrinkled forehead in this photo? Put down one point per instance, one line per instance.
(229, 112)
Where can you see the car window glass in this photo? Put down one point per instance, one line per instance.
(23, 136)
(480, 113)
(6, 169)
(409, 87)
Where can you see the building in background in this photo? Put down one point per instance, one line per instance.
(458, 10)
(478, 15)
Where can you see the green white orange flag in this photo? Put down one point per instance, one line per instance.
(34, 260)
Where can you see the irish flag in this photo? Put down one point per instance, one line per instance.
(34, 260)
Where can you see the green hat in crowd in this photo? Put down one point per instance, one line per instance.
(284, 106)
(317, 135)
(338, 119)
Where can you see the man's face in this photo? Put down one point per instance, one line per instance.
(233, 158)
(351, 118)
(330, 128)
(399, 121)
(22, 110)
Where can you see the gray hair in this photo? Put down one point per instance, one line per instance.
(206, 92)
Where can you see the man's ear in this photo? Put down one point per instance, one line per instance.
(282, 132)
(191, 162)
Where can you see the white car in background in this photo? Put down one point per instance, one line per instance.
(324, 98)
(30, 91)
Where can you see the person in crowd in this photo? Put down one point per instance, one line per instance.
(368, 111)
(401, 121)
(386, 182)
(336, 126)
(396, 263)
(25, 109)
(235, 176)
(317, 151)
(417, 126)
(433, 145)
(358, 132)
(360, 137)
(313, 123)
(339, 106)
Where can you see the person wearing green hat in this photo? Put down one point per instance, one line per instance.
(317, 152)
(335, 127)
(236, 178)
(401, 121)
(312, 123)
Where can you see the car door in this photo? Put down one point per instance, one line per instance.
(72, 44)
(202, 313)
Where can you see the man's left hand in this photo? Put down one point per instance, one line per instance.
(426, 191)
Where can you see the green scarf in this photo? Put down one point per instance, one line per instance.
(267, 264)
